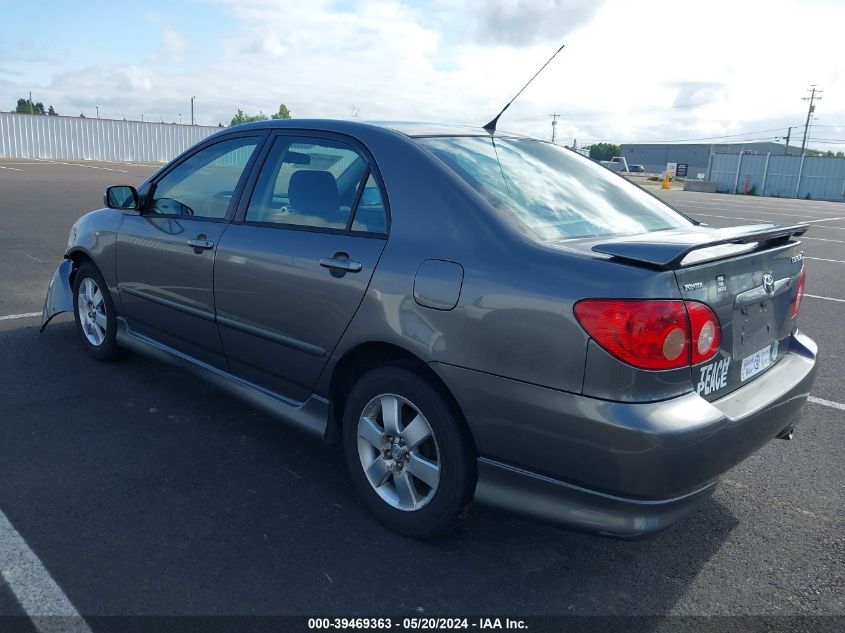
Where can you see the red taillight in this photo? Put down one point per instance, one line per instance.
(651, 334)
(796, 302)
(706, 335)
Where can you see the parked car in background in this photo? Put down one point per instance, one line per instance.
(636, 168)
(473, 315)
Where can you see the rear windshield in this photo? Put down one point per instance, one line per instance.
(553, 191)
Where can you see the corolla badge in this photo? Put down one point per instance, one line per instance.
(769, 284)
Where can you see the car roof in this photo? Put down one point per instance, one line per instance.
(413, 129)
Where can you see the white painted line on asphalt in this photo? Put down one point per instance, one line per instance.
(725, 217)
(827, 403)
(59, 162)
(35, 590)
(25, 315)
(736, 217)
(826, 220)
(10, 168)
(825, 298)
(743, 199)
(744, 209)
(822, 239)
(822, 259)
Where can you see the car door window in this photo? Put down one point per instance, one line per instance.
(308, 182)
(203, 185)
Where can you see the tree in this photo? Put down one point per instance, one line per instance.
(52, 112)
(829, 154)
(840, 154)
(241, 117)
(283, 112)
(604, 151)
(24, 106)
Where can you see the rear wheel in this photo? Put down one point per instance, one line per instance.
(94, 313)
(408, 452)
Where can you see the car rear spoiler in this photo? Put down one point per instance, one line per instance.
(667, 249)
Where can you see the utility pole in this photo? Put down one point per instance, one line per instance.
(786, 138)
(98, 111)
(192, 110)
(814, 92)
(554, 125)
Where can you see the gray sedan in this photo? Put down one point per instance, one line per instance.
(473, 315)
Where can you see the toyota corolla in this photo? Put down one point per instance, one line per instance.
(473, 314)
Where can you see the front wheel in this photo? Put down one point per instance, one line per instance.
(94, 313)
(408, 451)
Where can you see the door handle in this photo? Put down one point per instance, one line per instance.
(341, 263)
(198, 243)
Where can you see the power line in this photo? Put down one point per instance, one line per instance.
(712, 138)
(590, 115)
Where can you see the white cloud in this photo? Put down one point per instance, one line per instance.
(630, 71)
(519, 22)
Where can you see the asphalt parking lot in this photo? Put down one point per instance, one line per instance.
(142, 491)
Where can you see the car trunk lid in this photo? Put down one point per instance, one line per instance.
(748, 276)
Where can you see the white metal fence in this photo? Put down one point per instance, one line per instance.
(77, 138)
(813, 177)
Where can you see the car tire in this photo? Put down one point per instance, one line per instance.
(94, 313)
(420, 479)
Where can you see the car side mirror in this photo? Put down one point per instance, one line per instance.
(123, 197)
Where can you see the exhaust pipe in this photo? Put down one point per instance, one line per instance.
(787, 434)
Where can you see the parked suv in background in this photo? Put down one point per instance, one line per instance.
(473, 315)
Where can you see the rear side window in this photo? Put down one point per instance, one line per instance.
(553, 192)
(370, 215)
(203, 185)
(316, 183)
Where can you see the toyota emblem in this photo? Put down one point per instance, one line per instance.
(769, 284)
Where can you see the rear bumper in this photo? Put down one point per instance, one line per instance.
(622, 469)
(553, 501)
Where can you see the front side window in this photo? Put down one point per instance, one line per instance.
(315, 183)
(203, 185)
(553, 192)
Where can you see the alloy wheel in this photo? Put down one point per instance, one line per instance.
(398, 452)
(91, 307)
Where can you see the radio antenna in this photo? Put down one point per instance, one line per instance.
(491, 127)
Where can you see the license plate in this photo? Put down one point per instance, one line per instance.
(757, 362)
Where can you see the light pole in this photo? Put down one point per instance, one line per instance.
(192, 110)
(180, 119)
(98, 111)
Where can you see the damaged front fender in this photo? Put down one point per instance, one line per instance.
(59, 295)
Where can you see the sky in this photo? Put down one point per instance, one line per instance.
(630, 71)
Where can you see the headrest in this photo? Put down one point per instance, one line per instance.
(313, 192)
